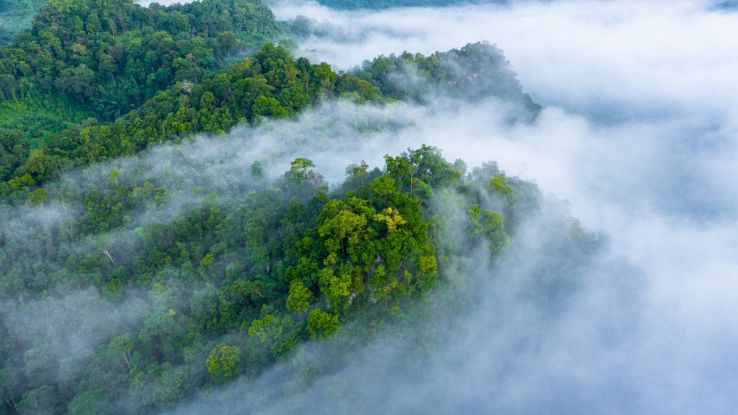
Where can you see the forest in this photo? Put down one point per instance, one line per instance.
(16, 15)
(101, 59)
(177, 286)
(270, 83)
(231, 284)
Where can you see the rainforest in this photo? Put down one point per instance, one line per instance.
(350, 207)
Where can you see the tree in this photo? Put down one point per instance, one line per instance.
(91, 401)
(225, 44)
(336, 287)
(40, 401)
(391, 218)
(38, 196)
(41, 165)
(266, 106)
(299, 297)
(123, 344)
(268, 328)
(301, 173)
(78, 83)
(358, 172)
(489, 224)
(223, 362)
(322, 324)
(340, 227)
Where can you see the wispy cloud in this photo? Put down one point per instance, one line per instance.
(639, 136)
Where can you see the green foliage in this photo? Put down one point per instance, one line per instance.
(269, 328)
(265, 106)
(34, 119)
(491, 225)
(499, 185)
(474, 72)
(321, 324)
(299, 297)
(219, 287)
(110, 57)
(223, 361)
(228, 288)
(269, 84)
(38, 196)
(39, 401)
(92, 401)
(342, 227)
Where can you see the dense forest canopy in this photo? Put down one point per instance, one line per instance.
(102, 59)
(111, 56)
(198, 215)
(271, 83)
(131, 279)
(474, 72)
(228, 284)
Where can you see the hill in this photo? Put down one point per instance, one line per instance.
(271, 83)
(103, 59)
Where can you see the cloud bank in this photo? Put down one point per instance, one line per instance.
(147, 3)
(581, 54)
(639, 136)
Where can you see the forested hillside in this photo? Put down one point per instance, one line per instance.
(133, 278)
(110, 56)
(233, 283)
(102, 59)
(474, 72)
(201, 214)
(269, 84)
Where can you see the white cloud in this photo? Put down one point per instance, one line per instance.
(147, 3)
(576, 53)
(640, 137)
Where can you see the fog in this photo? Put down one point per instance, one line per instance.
(578, 54)
(639, 137)
(162, 2)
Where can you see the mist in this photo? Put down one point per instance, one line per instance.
(647, 331)
(638, 138)
(147, 3)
